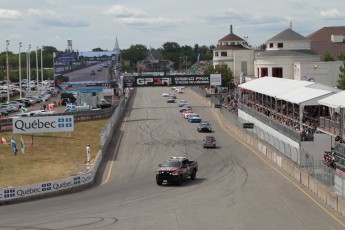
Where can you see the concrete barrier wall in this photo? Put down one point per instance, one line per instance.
(332, 200)
(322, 192)
(305, 179)
(290, 168)
(269, 154)
(313, 185)
(341, 206)
(297, 173)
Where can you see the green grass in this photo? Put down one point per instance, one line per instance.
(53, 155)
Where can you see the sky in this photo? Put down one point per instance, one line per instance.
(96, 24)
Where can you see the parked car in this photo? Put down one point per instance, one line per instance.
(25, 101)
(17, 104)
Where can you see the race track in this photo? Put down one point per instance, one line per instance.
(234, 188)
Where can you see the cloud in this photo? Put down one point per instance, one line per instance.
(10, 14)
(40, 12)
(123, 11)
(64, 22)
(52, 18)
(332, 13)
(137, 18)
(145, 21)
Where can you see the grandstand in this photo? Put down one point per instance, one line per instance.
(199, 67)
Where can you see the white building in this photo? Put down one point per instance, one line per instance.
(233, 52)
(281, 54)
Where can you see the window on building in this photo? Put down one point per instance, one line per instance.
(280, 45)
(216, 54)
(264, 72)
(271, 45)
(232, 43)
(277, 72)
(223, 54)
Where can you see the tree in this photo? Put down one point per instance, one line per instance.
(341, 80)
(227, 75)
(134, 54)
(97, 50)
(327, 57)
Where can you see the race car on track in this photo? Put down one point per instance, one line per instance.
(185, 108)
(209, 142)
(171, 100)
(204, 127)
(175, 170)
(182, 102)
(186, 114)
(165, 94)
(194, 119)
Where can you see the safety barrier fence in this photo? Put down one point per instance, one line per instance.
(84, 176)
(329, 186)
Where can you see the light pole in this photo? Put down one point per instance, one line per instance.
(37, 68)
(28, 75)
(20, 72)
(8, 71)
(29, 66)
(42, 65)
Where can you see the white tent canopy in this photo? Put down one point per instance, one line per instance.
(273, 86)
(335, 101)
(305, 95)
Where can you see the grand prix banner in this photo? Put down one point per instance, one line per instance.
(170, 80)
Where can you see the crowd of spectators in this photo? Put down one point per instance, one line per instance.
(199, 67)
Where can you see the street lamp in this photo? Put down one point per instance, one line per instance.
(20, 71)
(8, 71)
(28, 74)
(37, 68)
(42, 65)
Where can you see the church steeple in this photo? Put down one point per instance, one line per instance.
(117, 48)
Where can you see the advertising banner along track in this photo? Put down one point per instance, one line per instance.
(168, 80)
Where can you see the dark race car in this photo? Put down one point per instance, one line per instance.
(204, 127)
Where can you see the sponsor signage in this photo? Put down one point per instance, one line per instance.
(215, 79)
(47, 124)
(168, 80)
(38, 189)
(248, 125)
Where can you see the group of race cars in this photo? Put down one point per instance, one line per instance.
(203, 126)
(177, 169)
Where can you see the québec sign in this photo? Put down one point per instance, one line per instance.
(49, 124)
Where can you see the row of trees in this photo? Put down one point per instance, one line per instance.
(181, 56)
(13, 62)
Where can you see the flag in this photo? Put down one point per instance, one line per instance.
(22, 144)
(23, 109)
(14, 146)
(3, 140)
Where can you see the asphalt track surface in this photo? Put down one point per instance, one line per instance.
(234, 189)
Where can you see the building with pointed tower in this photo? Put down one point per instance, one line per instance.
(282, 51)
(234, 52)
